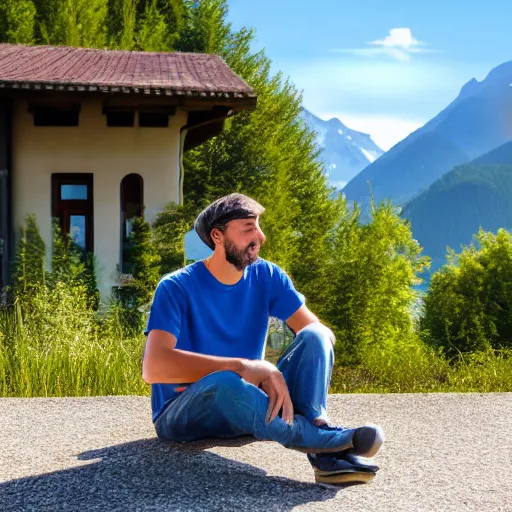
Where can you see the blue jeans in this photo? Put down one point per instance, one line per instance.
(222, 404)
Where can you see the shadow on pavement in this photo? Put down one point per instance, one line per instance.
(156, 475)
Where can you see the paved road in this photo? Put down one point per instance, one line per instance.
(444, 452)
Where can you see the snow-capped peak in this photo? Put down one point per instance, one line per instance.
(345, 152)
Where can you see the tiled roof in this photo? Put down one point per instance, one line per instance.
(63, 68)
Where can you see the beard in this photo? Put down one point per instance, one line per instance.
(240, 258)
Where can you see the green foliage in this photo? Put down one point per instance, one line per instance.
(145, 260)
(72, 22)
(121, 23)
(29, 272)
(169, 229)
(17, 21)
(153, 30)
(149, 25)
(267, 154)
(55, 345)
(468, 307)
(205, 29)
(73, 266)
(413, 367)
(136, 294)
(367, 284)
(52, 342)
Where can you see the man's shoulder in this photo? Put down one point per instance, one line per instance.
(267, 270)
(181, 276)
(268, 266)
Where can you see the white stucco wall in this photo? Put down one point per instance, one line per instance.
(108, 153)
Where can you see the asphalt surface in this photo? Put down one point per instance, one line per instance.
(443, 452)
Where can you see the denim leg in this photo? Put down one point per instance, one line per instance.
(222, 404)
(307, 367)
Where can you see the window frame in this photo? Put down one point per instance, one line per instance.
(63, 209)
(123, 218)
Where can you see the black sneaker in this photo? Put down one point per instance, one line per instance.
(356, 461)
(366, 440)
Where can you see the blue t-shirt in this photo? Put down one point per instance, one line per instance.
(208, 317)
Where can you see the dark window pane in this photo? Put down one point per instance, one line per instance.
(68, 192)
(77, 230)
(56, 116)
(153, 120)
(131, 206)
(120, 118)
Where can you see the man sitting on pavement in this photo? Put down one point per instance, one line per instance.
(205, 345)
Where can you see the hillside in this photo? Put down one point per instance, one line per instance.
(457, 205)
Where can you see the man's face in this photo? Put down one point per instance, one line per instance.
(242, 241)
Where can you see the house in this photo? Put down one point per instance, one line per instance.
(94, 137)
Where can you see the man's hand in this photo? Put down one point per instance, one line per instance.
(265, 375)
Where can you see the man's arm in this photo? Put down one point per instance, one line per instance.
(164, 364)
(304, 317)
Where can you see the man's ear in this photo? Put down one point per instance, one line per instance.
(215, 234)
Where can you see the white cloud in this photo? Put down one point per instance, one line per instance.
(398, 45)
(398, 38)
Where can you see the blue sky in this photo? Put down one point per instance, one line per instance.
(384, 68)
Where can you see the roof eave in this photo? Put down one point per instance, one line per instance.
(119, 89)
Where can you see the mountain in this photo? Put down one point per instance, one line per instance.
(499, 156)
(458, 204)
(476, 122)
(345, 152)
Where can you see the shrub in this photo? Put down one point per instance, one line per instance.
(367, 291)
(468, 307)
(136, 293)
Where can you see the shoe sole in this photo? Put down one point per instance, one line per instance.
(326, 477)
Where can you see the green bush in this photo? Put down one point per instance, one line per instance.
(468, 307)
(72, 265)
(29, 272)
(136, 293)
(169, 229)
(367, 285)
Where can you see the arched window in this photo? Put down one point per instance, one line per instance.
(132, 204)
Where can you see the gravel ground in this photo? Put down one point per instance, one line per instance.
(444, 452)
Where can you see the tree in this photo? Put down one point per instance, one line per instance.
(72, 22)
(17, 21)
(368, 281)
(169, 229)
(468, 307)
(72, 266)
(268, 154)
(136, 294)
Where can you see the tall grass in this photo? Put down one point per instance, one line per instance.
(53, 344)
(414, 367)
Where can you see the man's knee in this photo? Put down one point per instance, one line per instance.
(225, 381)
(319, 333)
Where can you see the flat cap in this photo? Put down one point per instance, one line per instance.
(220, 212)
